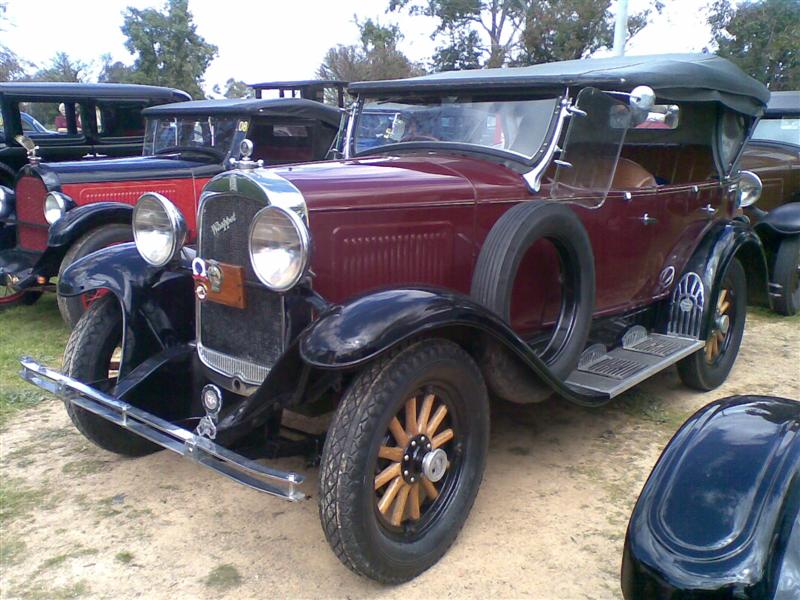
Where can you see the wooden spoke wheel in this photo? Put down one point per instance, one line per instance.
(718, 339)
(403, 460)
(414, 463)
(9, 297)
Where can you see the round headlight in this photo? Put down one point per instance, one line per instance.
(750, 187)
(56, 206)
(279, 248)
(6, 202)
(159, 229)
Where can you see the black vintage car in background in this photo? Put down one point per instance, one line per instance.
(719, 517)
(60, 212)
(773, 154)
(69, 121)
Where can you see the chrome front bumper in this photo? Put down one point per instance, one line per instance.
(199, 449)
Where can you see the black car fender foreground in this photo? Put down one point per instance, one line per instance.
(719, 516)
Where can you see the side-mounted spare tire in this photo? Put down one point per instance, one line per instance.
(493, 284)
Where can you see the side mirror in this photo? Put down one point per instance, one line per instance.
(642, 98)
(750, 188)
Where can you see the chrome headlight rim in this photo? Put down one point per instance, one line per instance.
(7, 202)
(56, 205)
(749, 189)
(304, 239)
(177, 228)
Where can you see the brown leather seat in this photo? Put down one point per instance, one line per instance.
(631, 175)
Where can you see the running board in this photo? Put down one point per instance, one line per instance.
(168, 435)
(640, 356)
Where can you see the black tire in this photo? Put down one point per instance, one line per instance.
(493, 282)
(10, 299)
(86, 358)
(697, 371)
(348, 505)
(786, 273)
(73, 307)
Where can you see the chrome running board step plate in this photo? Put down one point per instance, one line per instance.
(159, 431)
(640, 357)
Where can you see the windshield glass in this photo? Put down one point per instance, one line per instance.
(167, 134)
(518, 127)
(785, 129)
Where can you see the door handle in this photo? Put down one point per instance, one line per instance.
(648, 220)
(708, 209)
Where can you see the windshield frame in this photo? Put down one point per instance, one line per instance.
(502, 155)
(242, 126)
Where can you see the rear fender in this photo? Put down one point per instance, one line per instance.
(351, 336)
(782, 220)
(722, 244)
(157, 303)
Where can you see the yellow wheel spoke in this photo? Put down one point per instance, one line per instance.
(425, 412)
(411, 417)
(385, 476)
(398, 432)
(708, 348)
(723, 295)
(400, 505)
(413, 502)
(442, 438)
(723, 308)
(437, 419)
(429, 488)
(720, 337)
(394, 454)
(388, 496)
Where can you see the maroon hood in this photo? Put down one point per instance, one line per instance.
(408, 179)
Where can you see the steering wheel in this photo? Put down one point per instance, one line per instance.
(420, 138)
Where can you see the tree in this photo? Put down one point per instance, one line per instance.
(235, 89)
(377, 56)
(461, 23)
(113, 71)
(762, 37)
(167, 48)
(63, 68)
(11, 66)
(571, 29)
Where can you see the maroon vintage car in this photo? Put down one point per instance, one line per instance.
(65, 211)
(567, 228)
(773, 154)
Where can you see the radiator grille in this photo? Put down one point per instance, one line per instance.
(31, 225)
(245, 342)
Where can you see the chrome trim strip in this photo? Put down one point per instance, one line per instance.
(168, 435)
(230, 366)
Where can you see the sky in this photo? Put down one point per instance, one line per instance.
(265, 40)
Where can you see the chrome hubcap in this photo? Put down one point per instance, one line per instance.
(434, 464)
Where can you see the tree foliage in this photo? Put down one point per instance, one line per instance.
(519, 32)
(11, 66)
(235, 89)
(375, 57)
(571, 29)
(762, 37)
(167, 48)
(63, 68)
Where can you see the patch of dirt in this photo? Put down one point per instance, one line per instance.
(549, 521)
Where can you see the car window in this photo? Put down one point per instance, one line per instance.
(120, 119)
(166, 134)
(781, 129)
(280, 142)
(50, 118)
(515, 126)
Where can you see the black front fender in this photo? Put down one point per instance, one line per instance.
(722, 244)
(350, 336)
(82, 219)
(157, 302)
(782, 220)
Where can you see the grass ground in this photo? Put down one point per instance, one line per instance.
(28, 330)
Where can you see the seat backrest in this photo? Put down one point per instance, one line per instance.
(631, 175)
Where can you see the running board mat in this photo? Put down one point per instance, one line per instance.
(619, 370)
